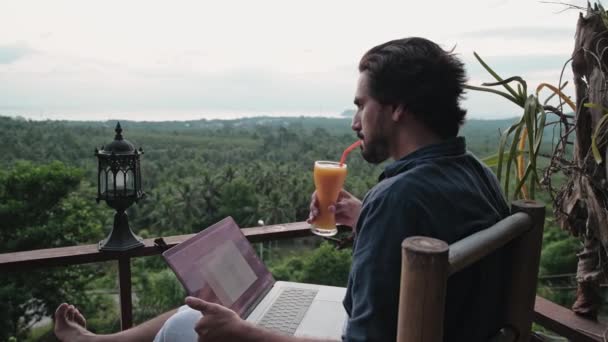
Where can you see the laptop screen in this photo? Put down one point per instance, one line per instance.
(219, 265)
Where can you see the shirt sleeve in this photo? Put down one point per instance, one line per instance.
(376, 269)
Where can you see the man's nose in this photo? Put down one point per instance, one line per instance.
(356, 123)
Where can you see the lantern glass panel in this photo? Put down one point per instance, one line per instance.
(103, 181)
(110, 180)
(121, 179)
(130, 181)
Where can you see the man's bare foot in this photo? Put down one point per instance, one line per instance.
(70, 325)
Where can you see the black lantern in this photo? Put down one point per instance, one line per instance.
(119, 184)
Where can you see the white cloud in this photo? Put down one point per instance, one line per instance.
(266, 55)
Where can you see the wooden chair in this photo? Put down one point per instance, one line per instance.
(427, 263)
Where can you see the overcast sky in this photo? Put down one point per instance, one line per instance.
(160, 60)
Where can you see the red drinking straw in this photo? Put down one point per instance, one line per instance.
(348, 150)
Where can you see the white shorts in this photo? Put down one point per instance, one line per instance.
(180, 326)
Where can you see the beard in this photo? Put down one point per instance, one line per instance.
(375, 150)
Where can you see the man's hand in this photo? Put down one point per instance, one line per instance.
(218, 324)
(347, 209)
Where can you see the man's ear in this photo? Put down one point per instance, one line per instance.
(399, 113)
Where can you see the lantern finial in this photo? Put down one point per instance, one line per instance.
(118, 131)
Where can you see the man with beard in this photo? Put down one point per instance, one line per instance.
(407, 100)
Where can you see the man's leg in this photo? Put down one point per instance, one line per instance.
(70, 326)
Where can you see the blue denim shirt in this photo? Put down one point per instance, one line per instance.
(441, 191)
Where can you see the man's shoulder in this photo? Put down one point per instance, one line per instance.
(444, 171)
(407, 183)
(452, 179)
(399, 188)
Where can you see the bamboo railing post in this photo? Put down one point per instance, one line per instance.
(525, 259)
(424, 274)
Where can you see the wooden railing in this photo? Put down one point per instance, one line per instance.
(546, 314)
(66, 256)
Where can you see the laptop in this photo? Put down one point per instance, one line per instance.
(219, 265)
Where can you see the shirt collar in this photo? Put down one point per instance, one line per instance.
(450, 147)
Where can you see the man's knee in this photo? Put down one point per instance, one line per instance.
(180, 326)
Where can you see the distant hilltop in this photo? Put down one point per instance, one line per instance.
(348, 113)
(339, 123)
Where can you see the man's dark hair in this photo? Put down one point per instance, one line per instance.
(421, 76)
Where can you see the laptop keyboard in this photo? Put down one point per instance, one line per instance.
(286, 313)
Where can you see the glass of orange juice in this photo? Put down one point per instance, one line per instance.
(329, 178)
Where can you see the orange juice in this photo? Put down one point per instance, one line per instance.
(329, 179)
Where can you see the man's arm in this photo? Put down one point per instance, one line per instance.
(373, 293)
(220, 324)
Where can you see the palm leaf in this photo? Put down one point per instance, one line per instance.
(495, 75)
(494, 91)
(552, 95)
(558, 92)
(530, 118)
(595, 105)
(501, 148)
(522, 88)
(512, 156)
(540, 130)
(492, 160)
(521, 161)
(522, 181)
(530, 111)
(594, 148)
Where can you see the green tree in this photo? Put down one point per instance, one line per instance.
(158, 292)
(326, 265)
(238, 199)
(38, 209)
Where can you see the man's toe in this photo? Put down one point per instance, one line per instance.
(70, 313)
(79, 318)
(60, 312)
